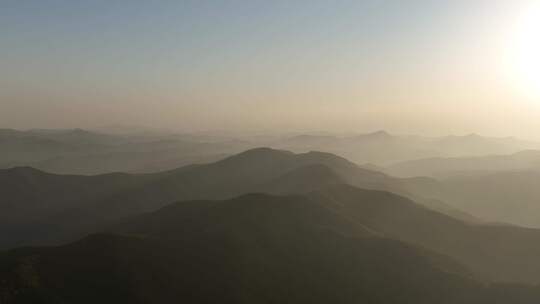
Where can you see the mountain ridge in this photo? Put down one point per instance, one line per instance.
(257, 248)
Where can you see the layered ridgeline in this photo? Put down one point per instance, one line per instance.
(252, 249)
(502, 188)
(467, 166)
(381, 148)
(87, 152)
(73, 206)
(79, 151)
(38, 208)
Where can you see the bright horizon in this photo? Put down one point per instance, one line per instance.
(427, 68)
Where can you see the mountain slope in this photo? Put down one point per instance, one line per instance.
(252, 249)
(29, 194)
(84, 204)
(492, 252)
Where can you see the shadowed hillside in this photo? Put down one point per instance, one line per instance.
(71, 205)
(253, 249)
(492, 252)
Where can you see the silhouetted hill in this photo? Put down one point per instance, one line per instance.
(303, 180)
(29, 194)
(286, 215)
(71, 205)
(252, 249)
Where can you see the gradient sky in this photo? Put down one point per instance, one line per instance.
(425, 67)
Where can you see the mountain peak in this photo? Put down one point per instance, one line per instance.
(264, 150)
(378, 135)
(259, 152)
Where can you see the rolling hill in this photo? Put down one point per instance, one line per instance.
(41, 207)
(52, 209)
(252, 249)
(491, 252)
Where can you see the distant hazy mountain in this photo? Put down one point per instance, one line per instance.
(76, 136)
(136, 150)
(27, 147)
(251, 249)
(382, 148)
(86, 152)
(446, 167)
(498, 188)
(506, 196)
(491, 252)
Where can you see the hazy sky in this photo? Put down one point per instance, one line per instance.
(426, 67)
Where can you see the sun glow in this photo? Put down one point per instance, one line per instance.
(525, 54)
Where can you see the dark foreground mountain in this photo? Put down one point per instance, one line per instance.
(253, 249)
(491, 252)
(73, 206)
(45, 203)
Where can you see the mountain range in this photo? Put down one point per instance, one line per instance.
(37, 203)
(383, 149)
(88, 152)
(49, 209)
(462, 166)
